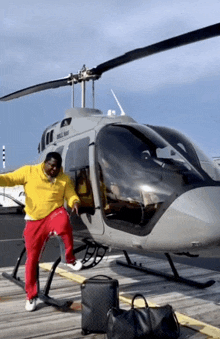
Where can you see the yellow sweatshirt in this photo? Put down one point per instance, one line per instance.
(42, 196)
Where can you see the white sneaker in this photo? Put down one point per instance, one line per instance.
(30, 305)
(76, 266)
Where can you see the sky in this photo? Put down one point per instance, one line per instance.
(48, 39)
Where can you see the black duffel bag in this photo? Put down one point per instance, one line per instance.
(146, 322)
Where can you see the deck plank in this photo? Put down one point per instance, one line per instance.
(49, 322)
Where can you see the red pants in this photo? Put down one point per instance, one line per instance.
(36, 234)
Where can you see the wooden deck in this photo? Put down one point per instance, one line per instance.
(197, 309)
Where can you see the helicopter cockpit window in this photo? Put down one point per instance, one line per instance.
(65, 122)
(190, 151)
(207, 164)
(77, 166)
(139, 174)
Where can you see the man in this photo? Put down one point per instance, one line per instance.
(46, 188)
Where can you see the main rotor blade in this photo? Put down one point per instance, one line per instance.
(96, 72)
(181, 40)
(37, 88)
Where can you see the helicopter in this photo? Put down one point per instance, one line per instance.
(143, 188)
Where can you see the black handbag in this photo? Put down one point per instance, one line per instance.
(146, 322)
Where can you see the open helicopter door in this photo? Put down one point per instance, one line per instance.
(80, 166)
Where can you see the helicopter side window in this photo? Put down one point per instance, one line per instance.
(43, 141)
(47, 138)
(84, 191)
(77, 155)
(66, 122)
(51, 135)
(77, 166)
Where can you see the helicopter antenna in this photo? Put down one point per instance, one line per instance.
(93, 93)
(122, 111)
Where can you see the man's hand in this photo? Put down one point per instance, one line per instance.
(75, 208)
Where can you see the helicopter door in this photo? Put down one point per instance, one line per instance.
(140, 175)
(79, 165)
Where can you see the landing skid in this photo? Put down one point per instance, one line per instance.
(94, 253)
(175, 277)
(43, 295)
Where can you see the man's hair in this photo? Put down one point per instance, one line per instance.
(54, 155)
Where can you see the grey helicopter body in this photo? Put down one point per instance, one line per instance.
(142, 188)
(164, 209)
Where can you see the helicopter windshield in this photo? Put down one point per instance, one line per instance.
(190, 151)
(140, 174)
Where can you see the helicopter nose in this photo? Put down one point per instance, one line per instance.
(190, 223)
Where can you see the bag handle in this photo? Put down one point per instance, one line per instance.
(177, 324)
(100, 275)
(139, 295)
(147, 309)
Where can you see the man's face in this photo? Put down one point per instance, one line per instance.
(51, 168)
